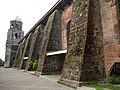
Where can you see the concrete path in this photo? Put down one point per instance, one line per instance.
(12, 79)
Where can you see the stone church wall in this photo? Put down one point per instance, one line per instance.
(88, 29)
(45, 41)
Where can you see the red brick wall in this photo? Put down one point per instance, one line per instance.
(112, 55)
(66, 17)
(110, 33)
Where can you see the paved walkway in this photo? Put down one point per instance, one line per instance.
(12, 79)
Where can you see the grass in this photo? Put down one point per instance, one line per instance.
(102, 87)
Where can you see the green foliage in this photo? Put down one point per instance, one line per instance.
(97, 87)
(17, 63)
(1, 62)
(114, 80)
(104, 87)
(30, 67)
(33, 65)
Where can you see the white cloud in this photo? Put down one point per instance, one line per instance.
(30, 11)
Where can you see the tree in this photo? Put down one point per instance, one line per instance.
(1, 62)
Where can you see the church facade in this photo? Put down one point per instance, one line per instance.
(79, 39)
(14, 35)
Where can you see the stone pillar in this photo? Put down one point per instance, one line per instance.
(21, 51)
(45, 41)
(35, 44)
(25, 51)
(51, 63)
(84, 60)
(18, 57)
(31, 56)
(55, 40)
(76, 46)
(93, 67)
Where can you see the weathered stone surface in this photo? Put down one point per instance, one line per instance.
(78, 35)
(17, 60)
(25, 52)
(111, 33)
(19, 54)
(53, 64)
(31, 56)
(36, 43)
(43, 47)
(55, 40)
(84, 60)
(89, 29)
(93, 63)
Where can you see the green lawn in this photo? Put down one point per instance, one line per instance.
(102, 87)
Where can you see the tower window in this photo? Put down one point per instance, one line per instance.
(16, 35)
(11, 26)
(16, 26)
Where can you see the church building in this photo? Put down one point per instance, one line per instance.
(14, 35)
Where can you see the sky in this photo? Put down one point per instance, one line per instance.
(30, 12)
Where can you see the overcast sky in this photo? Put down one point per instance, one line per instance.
(30, 11)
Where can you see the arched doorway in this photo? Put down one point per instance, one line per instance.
(115, 70)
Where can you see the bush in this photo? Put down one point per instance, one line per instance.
(33, 65)
(117, 80)
(30, 67)
(1, 62)
(114, 80)
(17, 63)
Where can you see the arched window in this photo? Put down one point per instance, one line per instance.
(16, 35)
(16, 26)
(115, 69)
(68, 32)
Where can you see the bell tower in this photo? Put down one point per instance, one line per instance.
(14, 35)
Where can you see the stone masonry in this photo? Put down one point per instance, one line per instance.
(84, 60)
(45, 41)
(14, 35)
(25, 51)
(87, 29)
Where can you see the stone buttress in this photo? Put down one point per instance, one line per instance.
(35, 44)
(51, 40)
(84, 59)
(19, 54)
(26, 51)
